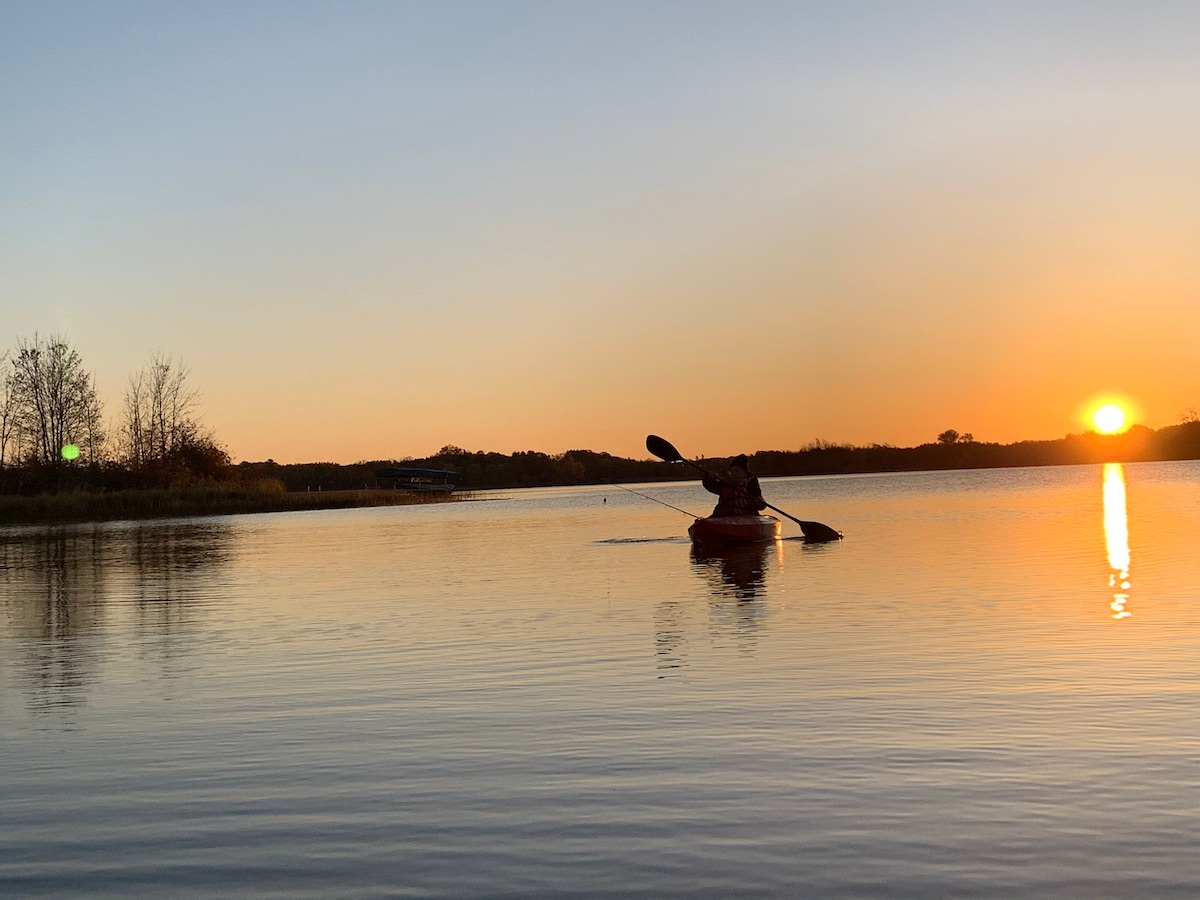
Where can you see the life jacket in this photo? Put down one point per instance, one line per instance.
(737, 498)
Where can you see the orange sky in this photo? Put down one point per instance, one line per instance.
(375, 230)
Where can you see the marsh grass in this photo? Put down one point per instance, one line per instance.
(207, 500)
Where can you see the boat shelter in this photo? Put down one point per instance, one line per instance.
(420, 480)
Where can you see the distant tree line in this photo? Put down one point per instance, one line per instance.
(54, 437)
(529, 468)
(480, 470)
(954, 451)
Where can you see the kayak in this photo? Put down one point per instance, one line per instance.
(734, 530)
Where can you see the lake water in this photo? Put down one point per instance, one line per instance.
(991, 688)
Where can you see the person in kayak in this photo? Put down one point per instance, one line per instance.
(738, 490)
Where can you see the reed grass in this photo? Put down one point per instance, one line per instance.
(208, 500)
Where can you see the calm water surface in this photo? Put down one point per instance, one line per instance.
(991, 688)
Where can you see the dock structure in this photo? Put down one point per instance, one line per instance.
(418, 480)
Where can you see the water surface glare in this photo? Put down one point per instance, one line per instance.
(991, 688)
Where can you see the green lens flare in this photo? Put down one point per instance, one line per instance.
(70, 451)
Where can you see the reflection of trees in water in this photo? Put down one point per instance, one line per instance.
(171, 568)
(54, 594)
(62, 586)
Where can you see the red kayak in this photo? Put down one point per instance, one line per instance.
(735, 530)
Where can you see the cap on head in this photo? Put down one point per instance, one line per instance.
(741, 462)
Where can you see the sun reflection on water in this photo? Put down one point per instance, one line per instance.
(1116, 535)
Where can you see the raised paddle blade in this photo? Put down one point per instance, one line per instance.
(663, 449)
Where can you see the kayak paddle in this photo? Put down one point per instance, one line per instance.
(813, 531)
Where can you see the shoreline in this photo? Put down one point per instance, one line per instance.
(134, 505)
(78, 507)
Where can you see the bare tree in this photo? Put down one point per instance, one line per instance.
(8, 408)
(132, 429)
(159, 413)
(54, 400)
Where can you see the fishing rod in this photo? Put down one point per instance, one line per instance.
(654, 499)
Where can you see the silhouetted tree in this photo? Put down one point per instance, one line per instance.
(158, 418)
(950, 436)
(163, 442)
(8, 407)
(54, 401)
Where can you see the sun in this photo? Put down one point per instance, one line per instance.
(1110, 419)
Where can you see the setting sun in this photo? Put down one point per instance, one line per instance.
(1109, 419)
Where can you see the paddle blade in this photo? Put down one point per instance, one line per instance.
(817, 533)
(814, 532)
(663, 448)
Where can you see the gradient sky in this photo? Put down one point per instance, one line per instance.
(373, 229)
